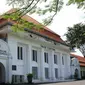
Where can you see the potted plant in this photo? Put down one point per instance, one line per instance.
(29, 77)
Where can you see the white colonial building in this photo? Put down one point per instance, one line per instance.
(78, 62)
(42, 53)
(75, 67)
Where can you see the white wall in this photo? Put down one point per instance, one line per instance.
(25, 66)
(75, 65)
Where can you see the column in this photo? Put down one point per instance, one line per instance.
(9, 69)
(68, 65)
(30, 59)
(60, 67)
(28, 62)
(52, 65)
(25, 60)
(42, 65)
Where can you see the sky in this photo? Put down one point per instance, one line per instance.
(68, 16)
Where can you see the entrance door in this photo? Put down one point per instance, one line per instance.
(76, 74)
(2, 73)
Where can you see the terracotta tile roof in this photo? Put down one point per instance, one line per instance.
(28, 18)
(46, 30)
(82, 64)
(81, 59)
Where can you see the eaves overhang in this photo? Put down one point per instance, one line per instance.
(37, 33)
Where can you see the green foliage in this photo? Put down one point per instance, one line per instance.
(41, 7)
(21, 23)
(13, 16)
(30, 75)
(76, 36)
(80, 3)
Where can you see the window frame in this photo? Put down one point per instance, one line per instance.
(35, 75)
(45, 57)
(17, 79)
(46, 73)
(55, 59)
(56, 72)
(14, 67)
(19, 52)
(34, 55)
(62, 60)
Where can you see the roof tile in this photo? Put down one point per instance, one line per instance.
(81, 59)
(46, 30)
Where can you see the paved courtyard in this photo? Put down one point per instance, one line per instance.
(81, 82)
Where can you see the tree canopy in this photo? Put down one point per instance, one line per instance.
(76, 37)
(43, 7)
(20, 23)
(48, 8)
(80, 3)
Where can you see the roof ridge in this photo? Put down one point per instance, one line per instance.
(76, 55)
(46, 30)
(45, 27)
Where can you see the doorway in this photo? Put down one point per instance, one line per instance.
(2, 73)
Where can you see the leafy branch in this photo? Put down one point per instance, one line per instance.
(20, 23)
(41, 7)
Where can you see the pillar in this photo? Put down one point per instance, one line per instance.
(30, 59)
(9, 69)
(52, 65)
(42, 65)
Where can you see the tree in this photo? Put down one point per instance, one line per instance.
(80, 3)
(41, 7)
(76, 37)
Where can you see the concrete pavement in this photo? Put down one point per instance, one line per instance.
(80, 82)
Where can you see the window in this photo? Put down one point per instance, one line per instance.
(17, 78)
(14, 78)
(21, 78)
(35, 72)
(46, 73)
(46, 57)
(62, 60)
(55, 59)
(81, 73)
(56, 73)
(34, 55)
(13, 67)
(20, 52)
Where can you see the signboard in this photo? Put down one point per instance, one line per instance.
(4, 49)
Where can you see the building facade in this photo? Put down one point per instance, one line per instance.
(81, 64)
(44, 54)
(75, 67)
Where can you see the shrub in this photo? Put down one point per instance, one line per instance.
(30, 75)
